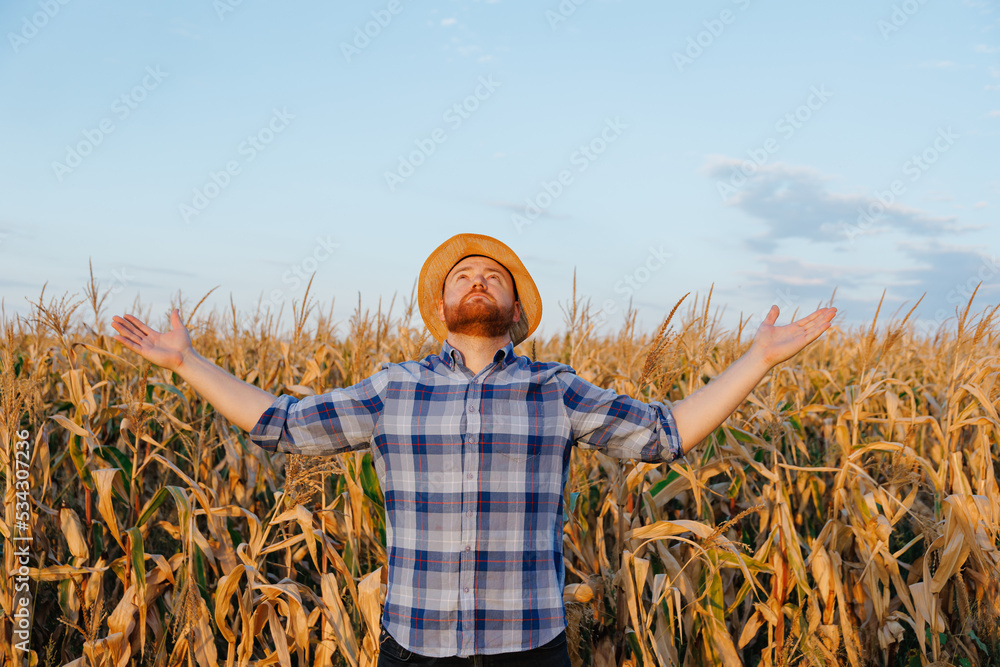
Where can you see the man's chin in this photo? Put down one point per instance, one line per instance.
(476, 309)
(477, 321)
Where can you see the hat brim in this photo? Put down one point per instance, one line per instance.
(443, 259)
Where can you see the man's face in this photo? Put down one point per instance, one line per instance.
(478, 298)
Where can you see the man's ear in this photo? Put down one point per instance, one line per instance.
(517, 311)
(441, 309)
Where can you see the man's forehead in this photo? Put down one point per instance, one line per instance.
(471, 259)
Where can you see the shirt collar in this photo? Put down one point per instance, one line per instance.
(451, 355)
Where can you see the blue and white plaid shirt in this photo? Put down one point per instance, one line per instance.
(472, 469)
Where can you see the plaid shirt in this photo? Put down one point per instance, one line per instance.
(472, 469)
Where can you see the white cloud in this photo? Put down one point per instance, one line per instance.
(799, 286)
(449, 21)
(944, 275)
(522, 210)
(910, 260)
(795, 202)
(185, 29)
(949, 273)
(940, 64)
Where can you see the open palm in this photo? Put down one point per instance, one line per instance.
(165, 349)
(776, 344)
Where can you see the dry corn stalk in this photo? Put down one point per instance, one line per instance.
(845, 514)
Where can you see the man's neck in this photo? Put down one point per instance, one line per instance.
(477, 351)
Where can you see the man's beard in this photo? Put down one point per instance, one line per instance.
(478, 317)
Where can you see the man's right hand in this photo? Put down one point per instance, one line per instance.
(168, 349)
(238, 401)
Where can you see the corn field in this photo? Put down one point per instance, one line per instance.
(846, 514)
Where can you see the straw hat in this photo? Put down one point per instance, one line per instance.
(443, 260)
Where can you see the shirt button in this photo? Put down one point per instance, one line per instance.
(469, 513)
(472, 439)
(466, 589)
(472, 407)
(470, 475)
(468, 548)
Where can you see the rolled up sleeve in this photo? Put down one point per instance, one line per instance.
(618, 425)
(340, 420)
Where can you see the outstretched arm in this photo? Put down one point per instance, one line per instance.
(703, 411)
(238, 401)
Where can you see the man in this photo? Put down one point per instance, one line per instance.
(472, 447)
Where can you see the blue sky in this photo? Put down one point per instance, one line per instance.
(777, 150)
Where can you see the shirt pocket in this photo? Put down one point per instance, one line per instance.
(509, 434)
